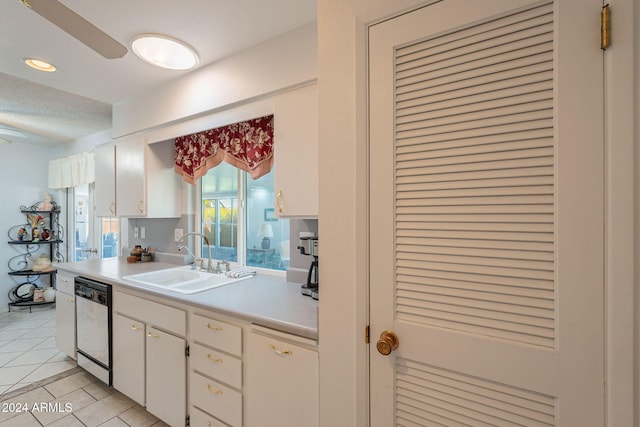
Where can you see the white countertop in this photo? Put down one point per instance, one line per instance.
(265, 300)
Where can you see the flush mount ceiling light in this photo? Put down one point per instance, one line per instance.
(39, 65)
(164, 51)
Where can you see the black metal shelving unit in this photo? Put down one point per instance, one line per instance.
(21, 236)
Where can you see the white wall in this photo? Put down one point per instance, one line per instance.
(24, 180)
(285, 61)
(343, 316)
(342, 76)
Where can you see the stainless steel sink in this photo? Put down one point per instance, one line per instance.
(182, 280)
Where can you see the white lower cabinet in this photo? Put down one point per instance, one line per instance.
(149, 357)
(66, 315)
(282, 382)
(128, 357)
(236, 374)
(166, 377)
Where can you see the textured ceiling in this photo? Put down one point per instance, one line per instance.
(48, 116)
(75, 101)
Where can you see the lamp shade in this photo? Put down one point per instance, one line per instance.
(265, 231)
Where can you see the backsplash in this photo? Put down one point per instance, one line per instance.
(159, 234)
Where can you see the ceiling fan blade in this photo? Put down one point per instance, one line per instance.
(74, 24)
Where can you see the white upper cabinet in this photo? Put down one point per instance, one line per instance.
(296, 153)
(143, 177)
(105, 185)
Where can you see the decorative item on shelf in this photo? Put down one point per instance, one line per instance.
(22, 234)
(42, 263)
(35, 235)
(22, 292)
(38, 295)
(49, 294)
(46, 204)
(44, 235)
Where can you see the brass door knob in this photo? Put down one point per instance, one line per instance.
(387, 343)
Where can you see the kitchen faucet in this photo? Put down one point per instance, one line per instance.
(209, 268)
(191, 254)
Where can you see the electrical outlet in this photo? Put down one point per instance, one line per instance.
(143, 233)
(178, 232)
(135, 232)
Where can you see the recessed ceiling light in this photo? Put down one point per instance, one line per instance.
(39, 65)
(164, 51)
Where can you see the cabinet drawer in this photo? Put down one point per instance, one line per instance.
(64, 283)
(222, 402)
(152, 313)
(220, 366)
(217, 334)
(198, 418)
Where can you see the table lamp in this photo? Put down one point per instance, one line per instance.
(266, 232)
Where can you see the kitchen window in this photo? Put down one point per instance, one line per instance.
(237, 219)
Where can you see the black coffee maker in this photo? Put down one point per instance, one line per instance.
(309, 246)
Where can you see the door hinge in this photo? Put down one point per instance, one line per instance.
(186, 351)
(187, 421)
(605, 27)
(366, 334)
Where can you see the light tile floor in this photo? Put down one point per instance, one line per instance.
(40, 386)
(78, 399)
(28, 350)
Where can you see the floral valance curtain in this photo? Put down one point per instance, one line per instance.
(70, 171)
(246, 145)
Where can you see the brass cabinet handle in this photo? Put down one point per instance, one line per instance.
(141, 206)
(136, 328)
(280, 352)
(215, 391)
(112, 207)
(387, 343)
(214, 359)
(279, 201)
(150, 335)
(214, 328)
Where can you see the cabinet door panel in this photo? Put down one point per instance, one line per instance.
(296, 153)
(131, 176)
(105, 184)
(282, 383)
(66, 323)
(166, 377)
(128, 357)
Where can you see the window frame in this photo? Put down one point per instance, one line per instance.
(241, 226)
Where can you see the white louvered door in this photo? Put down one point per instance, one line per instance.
(486, 215)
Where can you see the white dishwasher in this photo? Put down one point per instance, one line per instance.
(93, 325)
